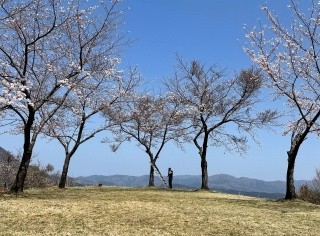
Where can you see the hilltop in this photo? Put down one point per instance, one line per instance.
(139, 211)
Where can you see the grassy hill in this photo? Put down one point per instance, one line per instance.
(134, 211)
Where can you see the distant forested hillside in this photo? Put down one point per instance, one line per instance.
(221, 182)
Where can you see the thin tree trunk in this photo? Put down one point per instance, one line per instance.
(296, 142)
(290, 190)
(64, 173)
(204, 164)
(151, 177)
(204, 173)
(18, 184)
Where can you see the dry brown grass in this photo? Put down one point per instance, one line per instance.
(125, 211)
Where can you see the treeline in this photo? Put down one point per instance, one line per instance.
(311, 192)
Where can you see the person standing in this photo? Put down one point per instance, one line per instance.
(170, 177)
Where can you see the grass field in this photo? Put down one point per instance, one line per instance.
(126, 211)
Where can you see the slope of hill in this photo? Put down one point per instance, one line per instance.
(140, 211)
(4, 154)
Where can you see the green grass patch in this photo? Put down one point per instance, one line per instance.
(131, 211)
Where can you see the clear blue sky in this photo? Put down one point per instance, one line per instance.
(210, 31)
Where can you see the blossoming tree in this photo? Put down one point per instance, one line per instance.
(80, 117)
(149, 120)
(220, 110)
(48, 49)
(290, 58)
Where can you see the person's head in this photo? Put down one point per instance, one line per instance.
(169, 168)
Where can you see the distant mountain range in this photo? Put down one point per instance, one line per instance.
(221, 183)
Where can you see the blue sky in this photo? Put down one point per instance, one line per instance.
(210, 31)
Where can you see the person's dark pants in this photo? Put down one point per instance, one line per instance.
(170, 182)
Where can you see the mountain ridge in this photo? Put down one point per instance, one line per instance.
(219, 182)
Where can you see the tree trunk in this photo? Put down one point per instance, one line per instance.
(151, 177)
(204, 165)
(204, 174)
(296, 142)
(18, 184)
(64, 174)
(290, 190)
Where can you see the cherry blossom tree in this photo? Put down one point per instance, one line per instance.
(221, 111)
(290, 58)
(49, 49)
(80, 118)
(149, 120)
